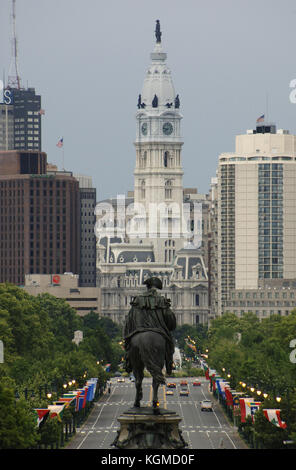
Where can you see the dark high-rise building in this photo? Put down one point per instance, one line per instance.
(39, 218)
(88, 240)
(20, 120)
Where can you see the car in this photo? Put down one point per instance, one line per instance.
(183, 382)
(120, 379)
(196, 384)
(184, 392)
(169, 392)
(206, 405)
(171, 385)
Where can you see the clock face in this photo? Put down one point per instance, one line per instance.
(167, 128)
(144, 128)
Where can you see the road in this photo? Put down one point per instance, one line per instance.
(200, 429)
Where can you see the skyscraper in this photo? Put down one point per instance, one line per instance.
(256, 217)
(39, 218)
(88, 197)
(20, 120)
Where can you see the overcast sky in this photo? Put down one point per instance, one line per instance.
(88, 60)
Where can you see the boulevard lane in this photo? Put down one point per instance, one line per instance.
(200, 429)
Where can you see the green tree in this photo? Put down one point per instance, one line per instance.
(17, 423)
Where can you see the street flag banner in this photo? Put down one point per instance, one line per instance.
(243, 407)
(89, 394)
(41, 415)
(82, 398)
(251, 408)
(77, 401)
(229, 397)
(60, 143)
(93, 384)
(56, 411)
(261, 118)
(221, 384)
(66, 401)
(274, 417)
(107, 367)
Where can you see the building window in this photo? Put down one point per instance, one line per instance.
(168, 189)
(143, 189)
(165, 159)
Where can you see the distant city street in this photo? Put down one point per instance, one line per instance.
(200, 429)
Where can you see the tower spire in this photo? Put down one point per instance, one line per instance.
(13, 78)
(158, 33)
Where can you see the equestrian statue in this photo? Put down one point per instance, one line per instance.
(148, 341)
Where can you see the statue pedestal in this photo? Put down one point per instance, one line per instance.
(142, 428)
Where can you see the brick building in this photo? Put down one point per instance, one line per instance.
(39, 218)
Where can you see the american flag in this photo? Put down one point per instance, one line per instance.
(60, 142)
(261, 118)
(41, 111)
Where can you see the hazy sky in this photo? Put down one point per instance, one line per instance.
(88, 60)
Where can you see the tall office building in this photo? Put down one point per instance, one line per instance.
(256, 220)
(6, 127)
(20, 120)
(88, 197)
(39, 218)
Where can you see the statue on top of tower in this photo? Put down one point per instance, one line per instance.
(155, 102)
(158, 32)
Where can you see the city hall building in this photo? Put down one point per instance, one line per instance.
(157, 230)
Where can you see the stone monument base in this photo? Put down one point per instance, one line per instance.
(149, 428)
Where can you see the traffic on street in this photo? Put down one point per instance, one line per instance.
(203, 425)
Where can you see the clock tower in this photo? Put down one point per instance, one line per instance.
(158, 174)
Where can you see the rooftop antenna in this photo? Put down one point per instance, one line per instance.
(13, 74)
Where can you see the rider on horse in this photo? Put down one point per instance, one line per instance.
(150, 312)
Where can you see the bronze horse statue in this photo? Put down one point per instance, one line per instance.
(148, 340)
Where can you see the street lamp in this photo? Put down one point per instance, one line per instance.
(278, 399)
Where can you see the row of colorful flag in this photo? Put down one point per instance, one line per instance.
(75, 398)
(246, 406)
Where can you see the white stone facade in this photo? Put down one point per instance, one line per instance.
(160, 240)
